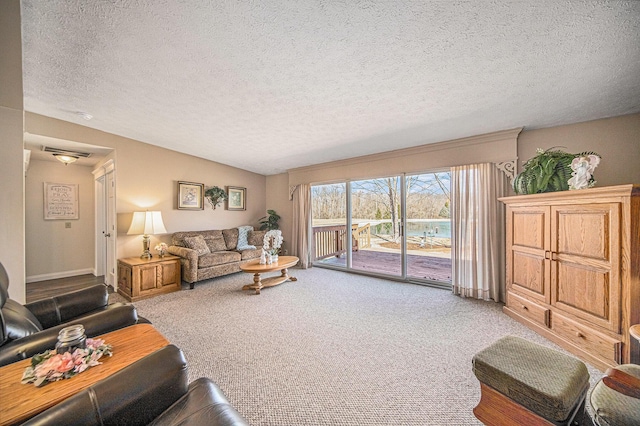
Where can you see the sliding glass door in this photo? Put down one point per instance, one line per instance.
(428, 227)
(395, 226)
(329, 224)
(376, 226)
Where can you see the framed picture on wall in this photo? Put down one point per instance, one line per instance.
(237, 198)
(190, 196)
(60, 201)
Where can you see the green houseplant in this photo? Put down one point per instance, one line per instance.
(215, 195)
(270, 222)
(549, 171)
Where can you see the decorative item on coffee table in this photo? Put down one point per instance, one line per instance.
(54, 365)
(272, 242)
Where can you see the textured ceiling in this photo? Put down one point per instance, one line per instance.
(272, 85)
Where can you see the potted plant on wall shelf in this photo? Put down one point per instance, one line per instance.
(215, 195)
(270, 222)
(552, 169)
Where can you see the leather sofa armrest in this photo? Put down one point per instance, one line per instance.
(135, 395)
(189, 262)
(95, 324)
(68, 306)
(203, 404)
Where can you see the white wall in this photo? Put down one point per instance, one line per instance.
(53, 250)
(11, 144)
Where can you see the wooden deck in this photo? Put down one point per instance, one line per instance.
(421, 267)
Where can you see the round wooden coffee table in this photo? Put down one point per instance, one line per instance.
(254, 267)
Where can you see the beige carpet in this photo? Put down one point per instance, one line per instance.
(335, 348)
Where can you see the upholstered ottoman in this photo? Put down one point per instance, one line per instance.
(615, 399)
(525, 383)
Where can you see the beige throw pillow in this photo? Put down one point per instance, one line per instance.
(198, 244)
(216, 244)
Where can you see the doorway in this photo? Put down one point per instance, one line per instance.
(105, 229)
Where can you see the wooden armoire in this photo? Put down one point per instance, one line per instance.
(573, 269)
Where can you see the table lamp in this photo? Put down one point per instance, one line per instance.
(146, 223)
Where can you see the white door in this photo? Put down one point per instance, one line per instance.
(101, 226)
(106, 222)
(110, 236)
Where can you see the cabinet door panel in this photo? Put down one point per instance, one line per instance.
(530, 228)
(584, 291)
(124, 278)
(529, 272)
(584, 231)
(586, 264)
(170, 274)
(528, 241)
(148, 278)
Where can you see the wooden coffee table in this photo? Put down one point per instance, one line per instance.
(20, 402)
(256, 269)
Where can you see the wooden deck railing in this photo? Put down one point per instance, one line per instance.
(330, 241)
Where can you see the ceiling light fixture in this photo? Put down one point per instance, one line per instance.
(66, 159)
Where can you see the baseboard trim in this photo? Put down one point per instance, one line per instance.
(56, 275)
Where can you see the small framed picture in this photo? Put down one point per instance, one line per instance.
(237, 198)
(190, 196)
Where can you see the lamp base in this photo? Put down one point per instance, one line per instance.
(146, 254)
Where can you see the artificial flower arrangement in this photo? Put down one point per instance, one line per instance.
(272, 241)
(553, 170)
(161, 248)
(51, 366)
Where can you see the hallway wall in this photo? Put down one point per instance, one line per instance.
(52, 250)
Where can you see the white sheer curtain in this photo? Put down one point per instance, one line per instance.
(477, 222)
(302, 224)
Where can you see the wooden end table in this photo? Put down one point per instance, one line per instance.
(141, 278)
(20, 402)
(256, 269)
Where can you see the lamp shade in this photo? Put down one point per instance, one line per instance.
(146, 223)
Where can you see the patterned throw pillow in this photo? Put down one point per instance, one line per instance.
(198, 244)
(243, 236)
(216, 244)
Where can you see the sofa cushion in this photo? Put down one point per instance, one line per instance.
(218, 258)
(256, 238)
(216, 244)
(198, 244)
(251, 253)
(230, 238)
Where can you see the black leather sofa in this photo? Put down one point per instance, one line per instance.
(26, 330)
(152, 391)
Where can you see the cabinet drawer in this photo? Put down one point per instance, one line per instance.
(528, 309)
(592, 341)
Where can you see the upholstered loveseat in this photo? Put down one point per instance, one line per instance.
(213, 253)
